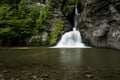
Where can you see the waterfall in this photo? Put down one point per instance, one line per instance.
(72, 39)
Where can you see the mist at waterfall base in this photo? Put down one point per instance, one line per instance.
(73, 38)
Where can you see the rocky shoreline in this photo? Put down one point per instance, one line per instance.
(46, 72)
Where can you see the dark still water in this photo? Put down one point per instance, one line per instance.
(59, 64)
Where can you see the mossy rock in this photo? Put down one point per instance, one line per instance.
(58, 31)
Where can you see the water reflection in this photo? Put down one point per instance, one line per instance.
(70, 57)
(60, 57)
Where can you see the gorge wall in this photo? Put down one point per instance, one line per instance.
(99, 23)
(43, 22)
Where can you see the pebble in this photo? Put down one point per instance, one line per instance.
(44, 76)
(42, 79)
(34, 77)
(13, 79)
(5, 71)
(27, 72)
(1, 77)
(1, 64)
(89, 76)
(24, 71)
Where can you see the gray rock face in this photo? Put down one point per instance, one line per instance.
(99, 23)
(36, 40)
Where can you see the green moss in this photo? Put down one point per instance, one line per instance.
(71, 2)
(4, 31)
(69, 9)
(58, 26)
(46, 14)
(52, 39)
(55, 1)
(54, 35)
(84, 40)
(69, 6)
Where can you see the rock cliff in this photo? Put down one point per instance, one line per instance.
(99, 22)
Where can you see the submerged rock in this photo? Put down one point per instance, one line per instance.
(44, 76)
(89, 76)
(5, 71)
(1, 77)
(34, 77)
(1, 64)
(99, 23)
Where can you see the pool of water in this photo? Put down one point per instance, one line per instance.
(104, 61)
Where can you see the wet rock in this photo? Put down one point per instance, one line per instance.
(38, 40)
(13, 79)
(42, 79)
(34, 40)
(24, 71)
(89, 76)
(27, 72)
(1, 77)
(99, 23)
(44, 36)
(1, 64)
(86, 72)
(34, 77)
(44, 76)
(5, 71)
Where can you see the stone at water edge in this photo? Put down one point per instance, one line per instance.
(89, 76)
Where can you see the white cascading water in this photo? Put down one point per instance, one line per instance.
(71, 39)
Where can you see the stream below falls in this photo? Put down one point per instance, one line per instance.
(34, 63)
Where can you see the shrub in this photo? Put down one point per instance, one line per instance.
(54, 35)
(46, 13)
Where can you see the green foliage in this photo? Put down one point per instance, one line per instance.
(69, 6)
(58, 25)
(55, 1)
(4, 11)
(5, 32)
(46, 14)
(9, 1)
(17, 21)
(71, 2)
(69, 9)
